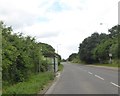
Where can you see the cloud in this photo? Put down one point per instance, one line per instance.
(15, 13)
(59, 21)
(43, 19)
(74, 4)
(56, 7)
(48, 35)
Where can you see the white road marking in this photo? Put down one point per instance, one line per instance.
(90, 73)
(99, 77)
(115, 84)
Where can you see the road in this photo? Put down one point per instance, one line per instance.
(82, 79)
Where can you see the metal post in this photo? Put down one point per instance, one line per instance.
(54, 65)
(110, 55)
(39, 63)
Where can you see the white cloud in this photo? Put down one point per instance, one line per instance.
(60, 21)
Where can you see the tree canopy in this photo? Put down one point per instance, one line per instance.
(72, 56)
(97, 47)
(22, 56)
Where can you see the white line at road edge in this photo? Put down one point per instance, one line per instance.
(115, 84)
(99, 77)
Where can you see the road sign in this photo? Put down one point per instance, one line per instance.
(110, 54)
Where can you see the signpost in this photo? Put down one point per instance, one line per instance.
(110, 55)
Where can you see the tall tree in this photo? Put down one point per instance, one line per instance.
(72, 56)
(87, 46)
(21, 56)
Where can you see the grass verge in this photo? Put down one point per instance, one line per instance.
(108, 65)
(34, 85)
(115, 63)
(60, 67)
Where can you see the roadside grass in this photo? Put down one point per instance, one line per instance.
(34, 85)
(76, 60)
(108, 65)
(60, 67)
(115, 63)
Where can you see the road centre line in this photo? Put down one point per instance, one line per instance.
(102, 78)
(90, 73)
(99, 77)
(115, 84)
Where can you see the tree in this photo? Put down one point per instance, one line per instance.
(108, 45)
(72, 56)
(21, 56)
(101, 52)
(87, 46)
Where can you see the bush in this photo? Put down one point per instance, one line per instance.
(34, 84)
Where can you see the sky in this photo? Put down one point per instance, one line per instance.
(64, 24)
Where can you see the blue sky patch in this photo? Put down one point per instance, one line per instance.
(43, 19)
(57, 7)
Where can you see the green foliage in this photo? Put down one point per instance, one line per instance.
(59, 58)
(114, 31)
(32, 86)
(97, 47)
(87, 46)
(119, 42)
(101, 52)
(21, 56)
(76, 60)
(60, 67)
(110, 45)
(72, 56)
(108, 65)
(47, 50)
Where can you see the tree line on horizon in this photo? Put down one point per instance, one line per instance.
(98, 47)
